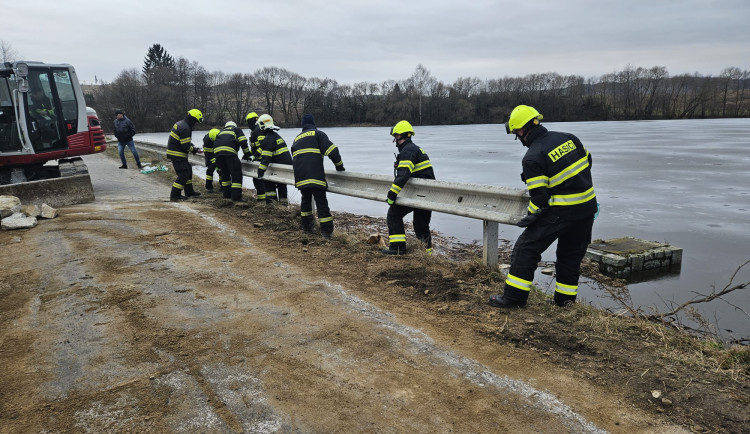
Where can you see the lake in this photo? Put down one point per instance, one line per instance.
(682, 182)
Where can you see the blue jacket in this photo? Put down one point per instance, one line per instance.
(124, 129)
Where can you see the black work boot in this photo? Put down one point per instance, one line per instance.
(190, 192)
(176, 195)
(123, 167)
(209, 187)
(563, 300)
(394, 250)
(499, 300)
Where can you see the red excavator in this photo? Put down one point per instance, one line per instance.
(43, 120)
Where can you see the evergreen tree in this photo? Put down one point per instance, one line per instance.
(157, 57)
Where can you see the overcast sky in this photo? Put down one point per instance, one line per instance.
(374, 41)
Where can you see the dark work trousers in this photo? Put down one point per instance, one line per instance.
(275, 191)
(210, 169)
(260, 189)
(573, 238)
(324, 213)
(396, 231)
(230, 169)
(184, 179)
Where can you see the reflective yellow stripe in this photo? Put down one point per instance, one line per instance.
(280, 151)
(306, 151)
(177, 153)
(408, 164)
(566, 289)
(399, 238)
(176, 185)
(533, 208)
(326, 219)
(228, 132)
(225, 149)
(329, 150)
(570, 171)
(267, 154)
(395, 188)
(517, 282)
(310, 181)
(262, 167)
(236, 185)
(422, 166)
(174, 135)
(537, 181)
(306, 213)
(572, 199)
(429, 251)
(205, 149)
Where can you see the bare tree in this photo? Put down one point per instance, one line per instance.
(7, 52)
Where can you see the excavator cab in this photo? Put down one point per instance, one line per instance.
(43, 119)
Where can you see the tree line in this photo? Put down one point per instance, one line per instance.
(161, 92)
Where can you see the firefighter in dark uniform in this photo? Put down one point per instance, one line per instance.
(252, 124)
(557, 173)
(226, 146)
(308, 150)
(411, 162)
(273, 150)
(209, 158)
(178, 146)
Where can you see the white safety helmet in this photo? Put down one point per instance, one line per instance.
(230, 124)
(266, 122)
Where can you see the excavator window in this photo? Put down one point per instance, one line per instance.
(9, 140)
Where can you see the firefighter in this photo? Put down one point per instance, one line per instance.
(178, 146)
(557, 173)
(210, 159)
(273, 150)
(252, 125)
(226, 146)
(411, 162)
(308, 150)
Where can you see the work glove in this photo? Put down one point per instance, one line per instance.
(340, 168)
(531, 218)
(261, 172)
(246, 157)
(528, 220)
(391, 198)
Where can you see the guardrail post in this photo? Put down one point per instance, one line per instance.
(490, 248)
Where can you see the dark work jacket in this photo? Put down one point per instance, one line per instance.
(208, 150)
(557, 172)
(179, 143)
(229, 140)
(411, 162)
(273, 149)
(124, 129)
(308, 150)
(254, 142)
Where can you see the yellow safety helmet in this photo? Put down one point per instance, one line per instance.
(196, 114)
(520, 116)
(251, 115)
(402, 127)
(212, 133)
(265, 122)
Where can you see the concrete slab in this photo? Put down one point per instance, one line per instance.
(635, 259)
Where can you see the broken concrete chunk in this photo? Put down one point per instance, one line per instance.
(18, 221)
(48, 212)
(31, 210)
(9, 205)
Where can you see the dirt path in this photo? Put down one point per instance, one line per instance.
(136, 314)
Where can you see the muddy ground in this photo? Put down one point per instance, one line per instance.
(136, 314)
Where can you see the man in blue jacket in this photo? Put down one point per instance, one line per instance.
(124, 132)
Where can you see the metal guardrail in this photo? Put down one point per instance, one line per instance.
(491, 204)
